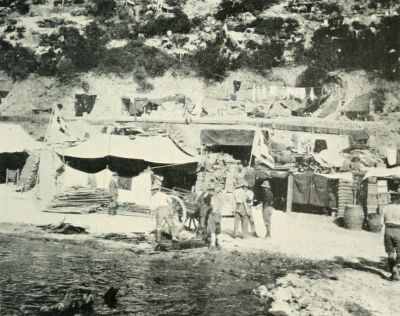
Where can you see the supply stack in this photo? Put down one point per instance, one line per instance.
(383, 194)
(372, 197)
(220, 170)
(345, 196)
(378, 195)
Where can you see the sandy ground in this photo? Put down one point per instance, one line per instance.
(294, 234)
(361, 278)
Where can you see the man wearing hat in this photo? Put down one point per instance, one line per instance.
(214, 218)
(204, 207)
(391, 220)
(267, 208)
(113, 192)
(243, 213)
(161, 205)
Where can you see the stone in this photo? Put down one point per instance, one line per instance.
(283, 294)
(279, 308)
(304, 300)
(262, 291)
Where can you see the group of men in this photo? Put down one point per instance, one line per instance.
(209, 208)
(210, 204)
(244, 200)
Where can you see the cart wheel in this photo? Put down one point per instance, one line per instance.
(179, 211)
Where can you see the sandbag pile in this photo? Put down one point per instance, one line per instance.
(345, 195)
(220, 170)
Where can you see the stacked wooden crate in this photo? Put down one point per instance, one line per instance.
(383, 194)
(372, 198)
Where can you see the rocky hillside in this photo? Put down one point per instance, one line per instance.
(55, 49)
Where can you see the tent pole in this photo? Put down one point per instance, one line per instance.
(289, 198)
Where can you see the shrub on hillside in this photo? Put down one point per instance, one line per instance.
(128, 59)
(22, 7)
(271, 26)
(340, 48)
(85, 52)
(47, 64)
(121, 30)
(180, 23)
(211, 64)
(263, 56)
(18, 62)
(103, 8)
(235, 7)
(328, 8)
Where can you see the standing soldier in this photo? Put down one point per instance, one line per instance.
(203, 208)
(113, 192)
(161, 205)
(243, 213)
(391, 220)
(214, 218)
(267, 208)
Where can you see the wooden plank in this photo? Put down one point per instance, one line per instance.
(289, 199)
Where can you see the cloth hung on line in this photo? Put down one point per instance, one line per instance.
(309, 188)
(392, 156)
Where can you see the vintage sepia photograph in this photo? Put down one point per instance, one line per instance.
(200, 157)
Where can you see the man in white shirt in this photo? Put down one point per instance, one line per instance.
(161, 205)
(391, 220)
(243, 214)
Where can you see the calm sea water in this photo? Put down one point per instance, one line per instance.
(34, 273)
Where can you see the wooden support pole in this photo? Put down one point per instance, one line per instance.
(289, 198)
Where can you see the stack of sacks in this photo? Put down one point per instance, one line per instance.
(220, 170)
(345, 195)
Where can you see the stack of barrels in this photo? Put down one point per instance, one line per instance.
(345, 196)
(354, 217)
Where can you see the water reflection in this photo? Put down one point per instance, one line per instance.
(36, 273)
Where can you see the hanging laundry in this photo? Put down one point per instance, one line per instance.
(295, 92)
(273, 91)
(258, 92)
(391, 156)
(236, 86)
(312, 95)
(84, 103)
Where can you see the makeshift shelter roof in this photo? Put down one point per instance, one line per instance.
(383, 173)
(278, 109)
(6, 85)
(231, 137)
(359, 104)
(330, 158)
(13, 139)
(153, 149)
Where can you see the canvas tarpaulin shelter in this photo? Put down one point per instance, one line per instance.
(260, 149)
(359, 104)
(310, 188)
(330, 158)
(13, 139)
(383, 173)
(5, 87)
(229, 137)
(129, 155)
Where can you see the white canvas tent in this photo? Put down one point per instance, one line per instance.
(154, 149)
(14, 139)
